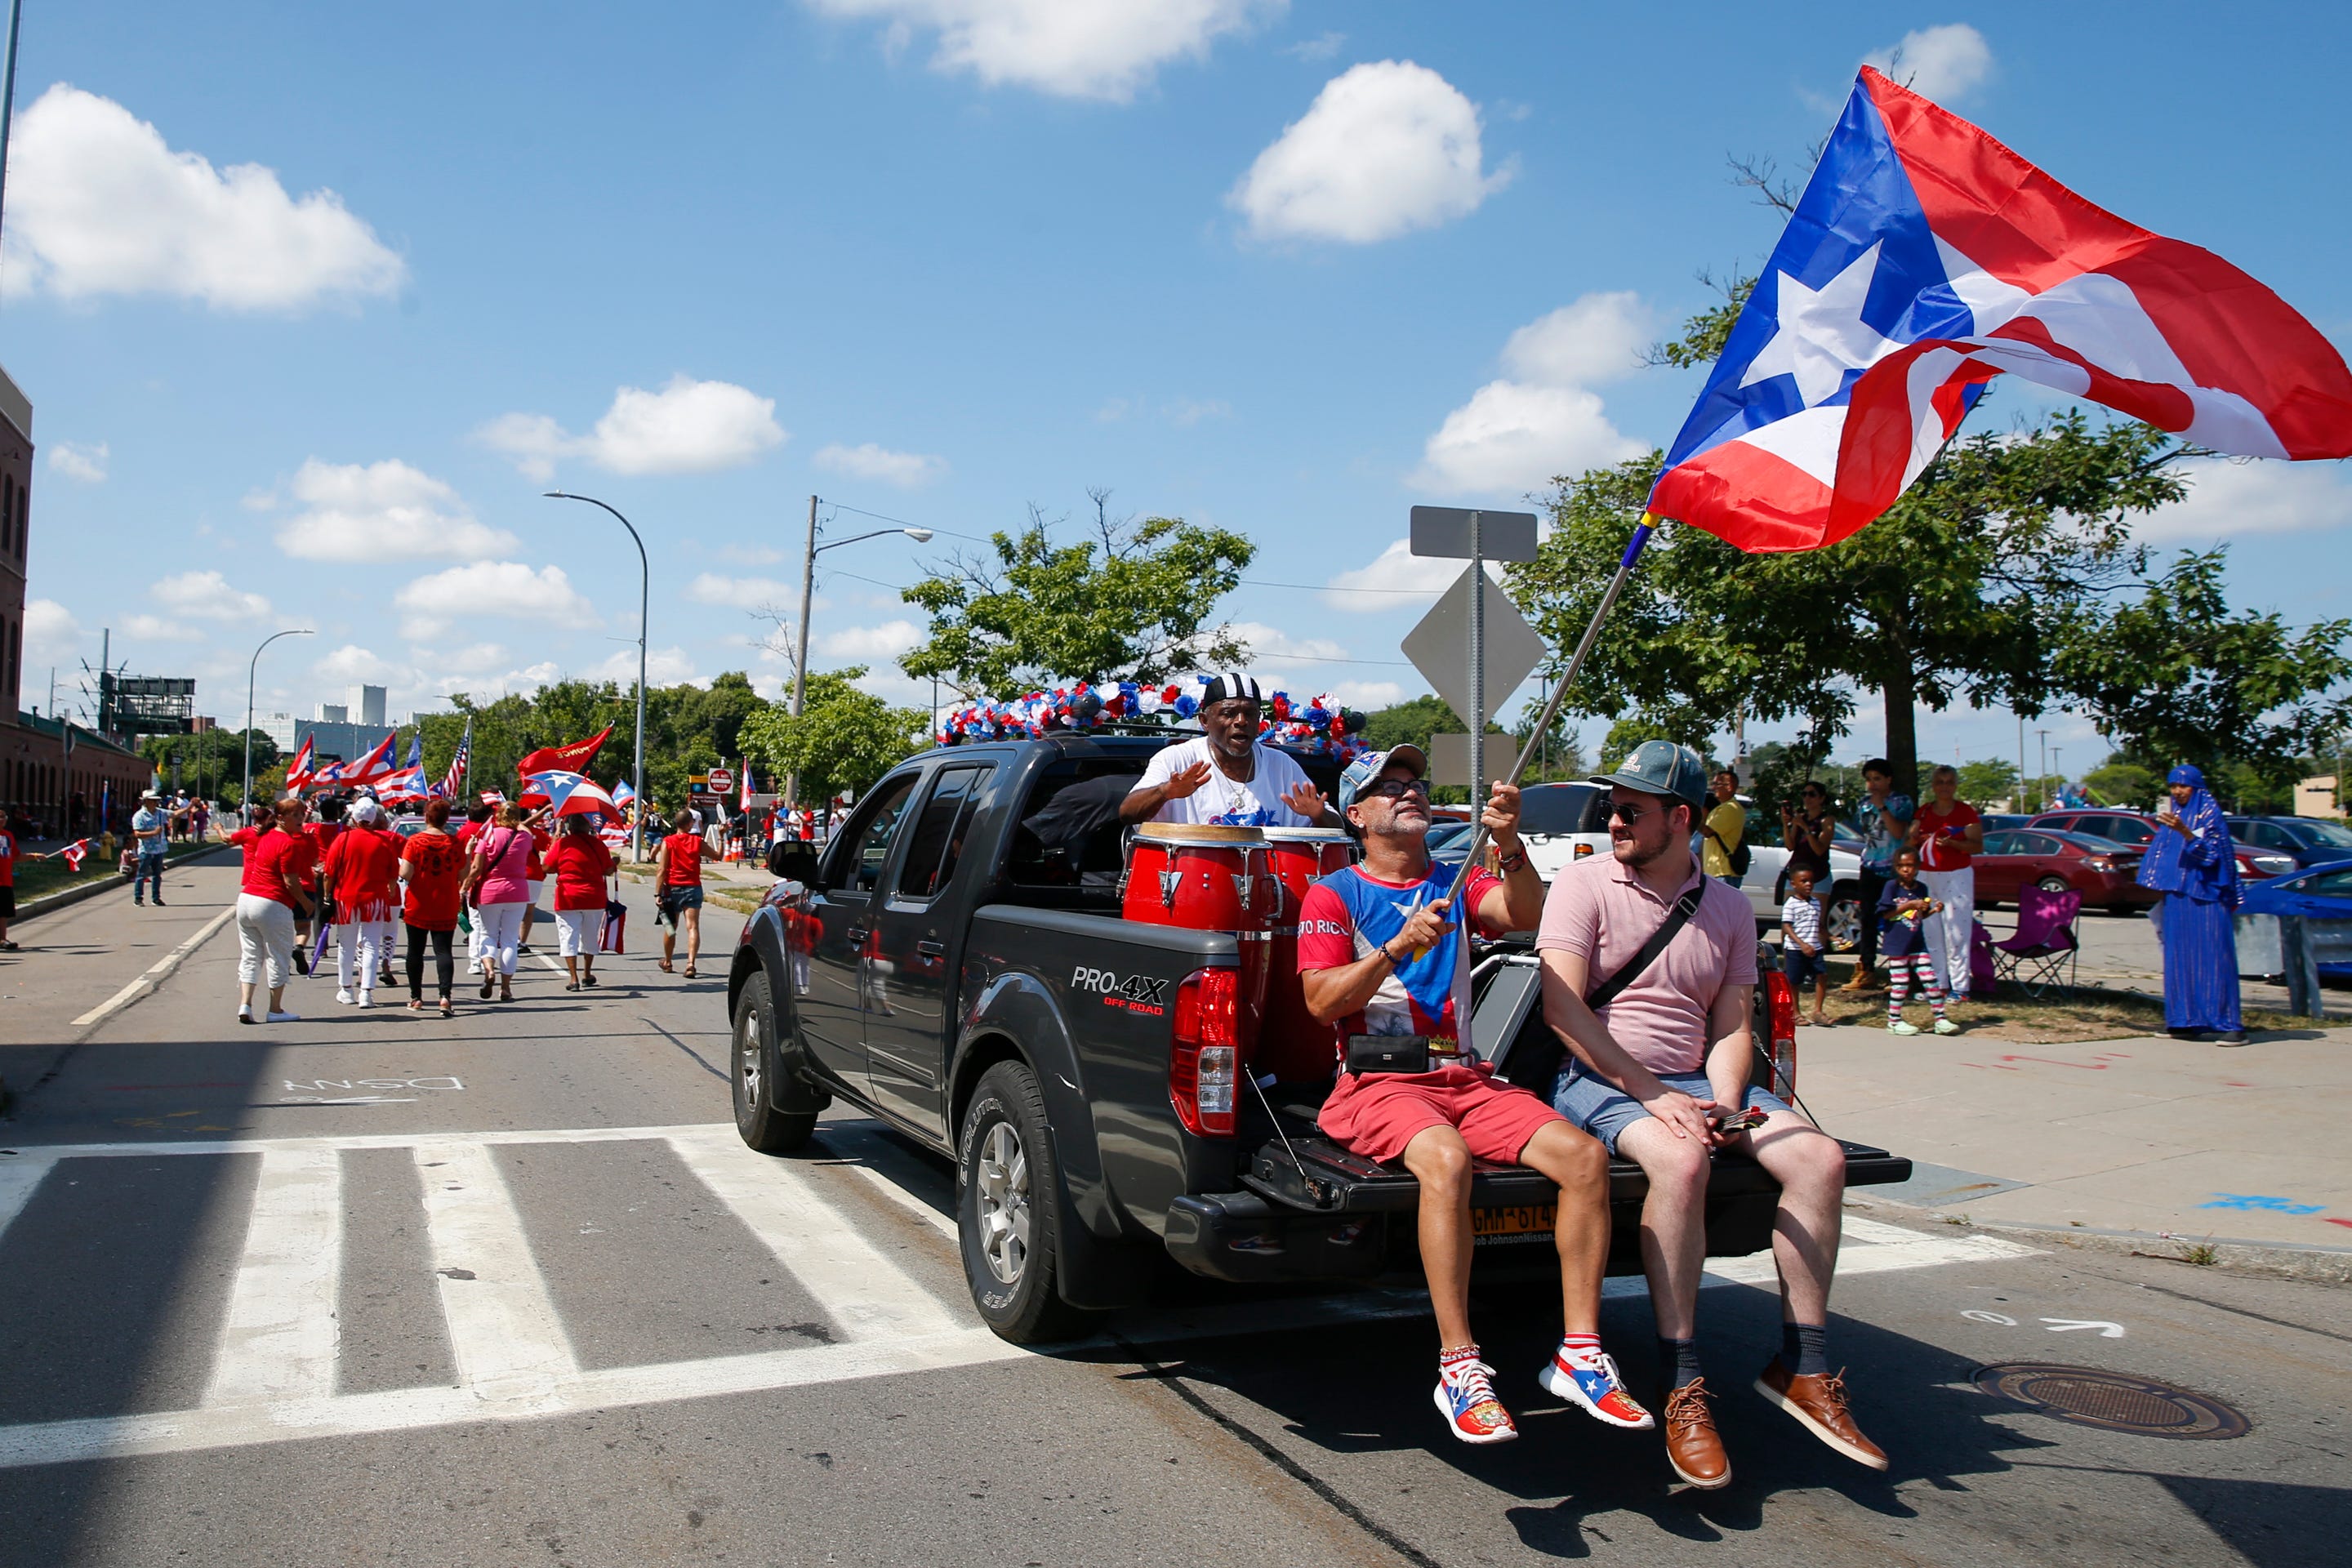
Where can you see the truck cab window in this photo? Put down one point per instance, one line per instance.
(856, 865)
(939, 830)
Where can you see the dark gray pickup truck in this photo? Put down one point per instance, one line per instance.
(956, 965)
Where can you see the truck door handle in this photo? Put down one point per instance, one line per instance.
(857, 933)
(932, 948)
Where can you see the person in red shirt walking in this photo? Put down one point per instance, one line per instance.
(677, 873)
(580, 863)
(276, 855)
(7, 880)
(433, 862)
(363, 867)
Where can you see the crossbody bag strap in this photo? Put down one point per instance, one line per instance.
(1631, 970)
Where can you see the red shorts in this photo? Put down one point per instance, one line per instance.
(1377, 1114)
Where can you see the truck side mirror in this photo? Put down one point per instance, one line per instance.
(792, 863)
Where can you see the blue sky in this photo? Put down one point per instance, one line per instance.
(1286, 269)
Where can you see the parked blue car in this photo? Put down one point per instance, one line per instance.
(2308, 840)
(2324, 894)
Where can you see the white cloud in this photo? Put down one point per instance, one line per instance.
(1185, 412)
(208, 595)
(2228, 499)
(386, 510)
(98, 204)
(1515, 436)
(1321, 47)
(155, 629)
(511, 589)
(1267, 642)
(740, 592)
(1511, 438)
(1071, 49)
(52, 637)
(664, 666)
(1943, 63)
(688, 428)
(1395, 579)
(351, 664)
(1596, 339)
(78, 461)
(868, 461)
(1387, 147)
(872, 645)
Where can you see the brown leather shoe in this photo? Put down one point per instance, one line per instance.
(1691, 1447)
(1820, 1403)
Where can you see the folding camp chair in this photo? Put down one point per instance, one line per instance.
(2041, 955)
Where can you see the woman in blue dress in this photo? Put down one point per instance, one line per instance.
(2192, 862)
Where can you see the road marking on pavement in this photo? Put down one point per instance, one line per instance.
(157, 973)
(279, 1338)
(274, 1370)
(503, 1331)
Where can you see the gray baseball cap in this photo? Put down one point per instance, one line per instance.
(1662, 768)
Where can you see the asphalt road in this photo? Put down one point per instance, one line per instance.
(374, 1288)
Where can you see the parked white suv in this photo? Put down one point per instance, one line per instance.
(1565, 823)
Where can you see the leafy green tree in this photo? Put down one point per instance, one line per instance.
(1987, 780)
(843, 741)
(211, 763)
(1132, 601)
(2180, 678)
(2119, 782)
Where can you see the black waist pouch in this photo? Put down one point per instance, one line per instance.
(1388, 1053)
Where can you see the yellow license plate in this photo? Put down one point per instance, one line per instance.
(1517, 1222)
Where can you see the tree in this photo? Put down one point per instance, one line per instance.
(1133, 601)
(2119, 782)
(844, 740)
(212, 764)
(1986, 781)
(2176, 678)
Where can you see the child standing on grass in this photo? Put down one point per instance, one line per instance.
(1803, 953)
(1903, 904)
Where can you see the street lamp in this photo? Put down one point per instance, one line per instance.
(254, 665)
(808, 591)
(645, 599)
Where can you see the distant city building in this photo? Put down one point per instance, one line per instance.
(333, 714)
(366, 706)
(331, 740)
(2315, 797)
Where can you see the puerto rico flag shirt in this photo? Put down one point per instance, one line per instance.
(1347, 914)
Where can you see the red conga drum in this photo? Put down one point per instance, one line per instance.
(1294, 1046)
(1207, 878)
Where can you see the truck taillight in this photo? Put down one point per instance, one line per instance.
(1204, 1062)
(1781, 1004)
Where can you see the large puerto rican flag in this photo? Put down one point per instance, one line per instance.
(1925, 259)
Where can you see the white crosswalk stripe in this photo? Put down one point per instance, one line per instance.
(274, 1373)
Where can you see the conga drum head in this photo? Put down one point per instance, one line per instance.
(1198, 833)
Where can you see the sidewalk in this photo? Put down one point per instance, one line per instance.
(2143, 1138)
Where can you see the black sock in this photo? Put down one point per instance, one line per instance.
(1679, 1361)
(1805, 1349)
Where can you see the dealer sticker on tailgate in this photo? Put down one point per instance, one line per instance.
(1517, 1222)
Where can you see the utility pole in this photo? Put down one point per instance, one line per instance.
(800, 647)
(2042, 780)
(8, 90)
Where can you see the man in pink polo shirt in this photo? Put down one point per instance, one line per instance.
(1657, 1068)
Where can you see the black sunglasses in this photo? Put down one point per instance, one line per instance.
(1395, 789)
(1632, 811)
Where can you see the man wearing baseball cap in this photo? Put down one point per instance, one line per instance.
(1379, 955)
(151, 826)
(1225, 778)
(1655, 1069)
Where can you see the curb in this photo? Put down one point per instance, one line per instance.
(2320, 1265)
(107, 882)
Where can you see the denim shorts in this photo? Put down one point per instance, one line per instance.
(1800, 967)
(1599, 1106)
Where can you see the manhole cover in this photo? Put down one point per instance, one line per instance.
(2112, 1401)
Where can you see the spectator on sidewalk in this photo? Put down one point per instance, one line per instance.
(1804, 947)
(1883, 819)
(1948, 833)
(1656, 1071)
(2192, 862)
(150, 824)
(1806, 829)
(1904, 905)
(1721, 855)
(8, 851)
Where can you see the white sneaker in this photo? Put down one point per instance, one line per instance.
(245, 1014)
(344, 996)
(286, 1017)
(367, 998)
(1946, 1026)
(1902, 1027)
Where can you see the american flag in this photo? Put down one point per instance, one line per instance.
(455, 780)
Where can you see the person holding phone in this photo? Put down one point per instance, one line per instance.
(2192, 862)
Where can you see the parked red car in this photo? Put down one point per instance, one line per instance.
(2099, 869)
(2132, 829)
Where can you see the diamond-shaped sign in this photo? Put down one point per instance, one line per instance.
(1440, 645)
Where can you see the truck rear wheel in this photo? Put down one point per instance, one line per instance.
(753, 1076)
(1006, 1195)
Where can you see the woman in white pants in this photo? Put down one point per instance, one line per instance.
(580, 864)
(363, 868)
(1948, 833)
(269, 896)
(498, 883)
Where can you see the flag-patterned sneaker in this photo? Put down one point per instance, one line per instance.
(1592, 1381)
(1466, 1397)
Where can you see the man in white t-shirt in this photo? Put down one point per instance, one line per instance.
(1225, 778)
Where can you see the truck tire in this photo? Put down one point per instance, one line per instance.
(753, 1076)
(1841, 922)
(1007, 1197)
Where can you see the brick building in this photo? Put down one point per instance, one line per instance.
(52, 774)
